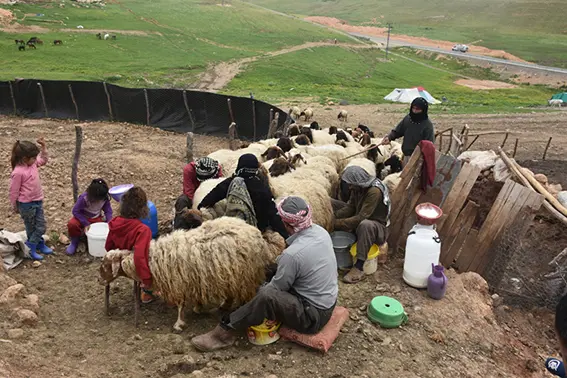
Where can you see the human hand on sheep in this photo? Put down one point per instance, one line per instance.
(385, 140)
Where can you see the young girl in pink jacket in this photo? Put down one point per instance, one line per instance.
(26, 195)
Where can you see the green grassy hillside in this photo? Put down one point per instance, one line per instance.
(534, 30)
(362, 76)
(175, 40)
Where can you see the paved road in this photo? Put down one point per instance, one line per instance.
(398, 43)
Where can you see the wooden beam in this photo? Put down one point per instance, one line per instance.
(43, 100)
(546, 148)
(108, 101)
(77, 156)
(452, 244)
(515, 148)
(13, 98)
(74, 102)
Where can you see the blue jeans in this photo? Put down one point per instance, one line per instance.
(34, 220)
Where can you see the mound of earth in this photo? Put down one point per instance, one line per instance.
(484, 84)
(18, 310)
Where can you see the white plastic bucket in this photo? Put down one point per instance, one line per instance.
(370, 266)
(96, 239)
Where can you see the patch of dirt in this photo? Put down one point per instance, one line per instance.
(555, 170)
(484, 193)
(19, 28)
(6, 17)
(218, 76)
(383, 32)
(94, 31)
(484, 84)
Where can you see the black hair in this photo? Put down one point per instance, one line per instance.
(97, 190)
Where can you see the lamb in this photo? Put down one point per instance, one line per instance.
(285, 144)
(272, 153)
(307, 114)
(343, 116)
(555, 102)
(221, 263)
(294, 113)
(294, 130)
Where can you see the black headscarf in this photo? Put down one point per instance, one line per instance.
(247, 166)
(422, 104)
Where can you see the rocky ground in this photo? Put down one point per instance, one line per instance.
(467, 334)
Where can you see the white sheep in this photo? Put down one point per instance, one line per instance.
(307, 114)
(555, 102)
(363, 163)
(220, 263)
(343, 116)
(321, 137)
(392, 181)
(106, 36)
(294, 112)
(204, 189)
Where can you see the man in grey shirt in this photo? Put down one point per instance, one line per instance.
(302, 294)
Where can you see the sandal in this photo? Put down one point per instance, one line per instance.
(354, 276)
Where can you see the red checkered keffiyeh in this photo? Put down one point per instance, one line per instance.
(299, 221)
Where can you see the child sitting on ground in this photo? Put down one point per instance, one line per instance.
(88, 210)
(26, 194)
(128, 232)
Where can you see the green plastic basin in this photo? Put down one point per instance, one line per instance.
(387, 312)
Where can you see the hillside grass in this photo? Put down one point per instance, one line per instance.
(361, 76)
(534, 30)
(179, 40)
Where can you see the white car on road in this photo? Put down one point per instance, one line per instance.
(461, 48)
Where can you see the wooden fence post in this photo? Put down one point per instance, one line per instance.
(230, 110)
(504, 141)
(189, 148)
(74, 102)
(546, 148)
(13, 98)
(147, 107)
(108, 100)
(515, 148)
(43, 99)
(188, 110)
(78, 144)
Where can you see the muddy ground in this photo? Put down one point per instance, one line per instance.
(461, 336)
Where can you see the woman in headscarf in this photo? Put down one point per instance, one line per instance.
(415, 127)
(248, 196)
(194, 174)
(367, 214)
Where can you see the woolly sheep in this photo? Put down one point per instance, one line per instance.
(221, 263)
(307, 114)
(392, 181)
(294, 112)
(363, 163)
(343, 116)
(555, 102)
(204, 189)
(321, 137)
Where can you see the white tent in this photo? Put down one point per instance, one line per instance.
(407, 95)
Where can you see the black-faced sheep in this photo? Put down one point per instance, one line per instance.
(308, 132)
(302, 140)
(366, 140)
(272, 153)
(343, 116)
(314, 126)
(333, 130)
(285, 144)
(294, 130)
(341, 135)
(221, 263)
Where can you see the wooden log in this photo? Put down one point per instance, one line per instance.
(453, 243)
(515, 148)
(107, 300)
(443, 132)
(13, 98)
(74, 102)
(512, 167)
(440, 142)
(137, 300)
(490, 133)
(189, 147)
(464, 138)
(230, 110)
(450, 141)
(77, 156)
(254, 119)
(504, 141)
(232, 136)
(108, 101)
(43, 100)
(271, 114)
(546, 148)
(147, 107)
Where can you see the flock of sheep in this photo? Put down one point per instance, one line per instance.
(222, 261)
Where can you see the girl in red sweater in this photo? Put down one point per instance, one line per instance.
(128, 232)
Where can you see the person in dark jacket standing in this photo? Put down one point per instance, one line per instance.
(414, 128)
(258, 188)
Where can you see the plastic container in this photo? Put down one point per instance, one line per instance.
(264, 334)
(387, 312)
(423, 248)
(96, 238)
(116, 192)
(152, 220)
(437, 282)
(342, 242)
(428, 214)
(371, 264)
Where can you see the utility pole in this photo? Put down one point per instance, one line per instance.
(388, 40)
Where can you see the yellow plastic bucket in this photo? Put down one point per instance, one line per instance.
(265, 333)
(372, 254)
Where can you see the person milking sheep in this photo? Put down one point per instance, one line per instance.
(249, 197)
(415, 127)
(367, 214)
(303, 293)
(194, 173)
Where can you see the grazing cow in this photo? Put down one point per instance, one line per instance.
(99, 36)
(22, 48)
(58, 42)
(31, 45)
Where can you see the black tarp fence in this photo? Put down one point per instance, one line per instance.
(168, 109)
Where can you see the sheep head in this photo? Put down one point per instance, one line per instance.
(296, 159)
(365, 141)
(314, 126)
(285, 143)
(395, 164)
(302, 140)
(307, 132)
(333, 130)
(190, 218)
(280, 166)
(272, 153)
(341, 143)
(111, 266)
(341, 135)
(293, 130)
